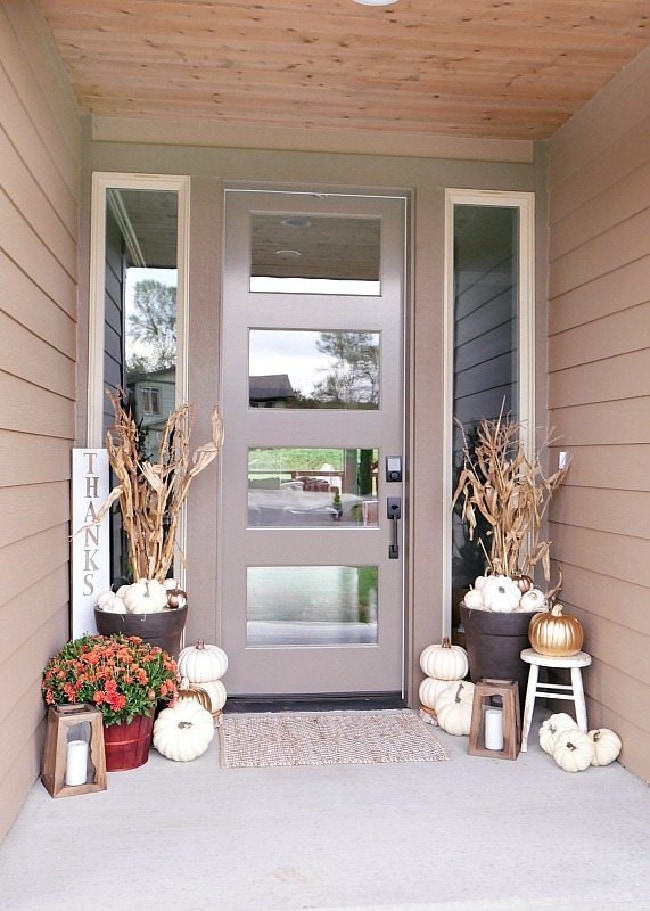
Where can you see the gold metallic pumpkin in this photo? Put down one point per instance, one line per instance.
(197, 695)
(555, 635)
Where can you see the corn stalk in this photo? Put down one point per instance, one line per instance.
(150, 495)
(511, 492)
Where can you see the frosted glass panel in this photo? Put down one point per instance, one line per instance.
(311, 605)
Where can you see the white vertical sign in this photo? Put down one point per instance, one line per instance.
(90, 541)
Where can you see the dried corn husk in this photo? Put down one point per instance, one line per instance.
(511, 492)
(151, 495)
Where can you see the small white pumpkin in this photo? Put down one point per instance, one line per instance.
(147, 596)
(430, 689)
(214, 690)
(607, 746)
(533, 600)
(453, 708)
(573, 750)
(474, 599)
(479, 583)
(202, 662)
(445, 661)
(551, 728)
(111, 603)
(501, 594)
(183, 731)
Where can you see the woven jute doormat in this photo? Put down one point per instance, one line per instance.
(327, 738)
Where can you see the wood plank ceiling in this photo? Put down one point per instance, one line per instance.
(501, 69)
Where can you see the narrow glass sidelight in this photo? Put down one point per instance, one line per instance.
(140, 319)
(485, 321)
(312, 605)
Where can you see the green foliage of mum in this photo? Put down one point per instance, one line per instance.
(120, 675)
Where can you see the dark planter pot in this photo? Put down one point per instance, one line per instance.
(164, 628)
(127, 745)
(494, 642)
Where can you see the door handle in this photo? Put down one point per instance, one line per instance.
(394, 513)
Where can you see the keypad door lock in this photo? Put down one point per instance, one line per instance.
(393, 469)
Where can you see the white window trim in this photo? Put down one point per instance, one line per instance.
(101, 182)
(525, 202)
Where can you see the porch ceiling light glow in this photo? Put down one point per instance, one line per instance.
(376, 2)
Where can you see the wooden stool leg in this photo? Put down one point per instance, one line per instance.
(579, 696)
(529, 706)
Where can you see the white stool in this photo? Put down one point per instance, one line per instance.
(573, 691)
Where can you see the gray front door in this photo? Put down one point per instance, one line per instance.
(312, 399)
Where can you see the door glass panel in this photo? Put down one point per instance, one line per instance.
(330, 488)
(311, 605)
(314, 254)
(295, 368)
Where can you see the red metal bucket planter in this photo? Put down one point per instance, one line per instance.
(127, 745)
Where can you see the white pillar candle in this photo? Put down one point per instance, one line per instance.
(494, 729)
(76, 767)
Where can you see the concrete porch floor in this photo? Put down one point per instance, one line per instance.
(471, 834)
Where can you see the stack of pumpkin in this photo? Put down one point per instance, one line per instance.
(446, 697)
(574, 750)
(201, 667)
(184, 731)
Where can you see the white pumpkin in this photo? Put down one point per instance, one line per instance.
(111, 603)
(453, 708)
(551, 727)
(479, 583)
(474, 599)
(202, 662)
(573, 750)
(213, 689)
(445, 661)
(183, 731)
(501, 594)
(607, 746)
(533, 600)
(430, 689)
(145, 597)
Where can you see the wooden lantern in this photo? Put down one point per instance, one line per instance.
(496, 720)
(74, 760)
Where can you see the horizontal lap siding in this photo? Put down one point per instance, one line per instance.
(599, 395)
(39, 151)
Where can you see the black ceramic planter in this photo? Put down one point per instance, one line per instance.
(163, 628)
(494, 642)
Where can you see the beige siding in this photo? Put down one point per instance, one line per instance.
(39, 151)
(599, 394)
